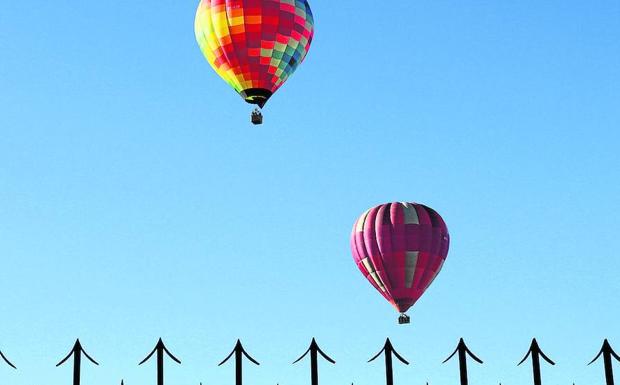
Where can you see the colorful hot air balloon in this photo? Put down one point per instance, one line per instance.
(400, 248)
(254, 45)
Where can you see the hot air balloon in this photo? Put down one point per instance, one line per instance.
(254, 45)
(400, 248)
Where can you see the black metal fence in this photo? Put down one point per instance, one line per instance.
(535, 354)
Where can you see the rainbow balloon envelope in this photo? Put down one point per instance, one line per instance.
(254, 45)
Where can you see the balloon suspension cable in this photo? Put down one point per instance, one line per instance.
(403, 319)
(256, 117)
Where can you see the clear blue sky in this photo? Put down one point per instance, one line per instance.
(136, 201)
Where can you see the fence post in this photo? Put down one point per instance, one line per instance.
(314, 351)
(607, 353)
(463, 351)
(160, 348)
(239, 352)
(389, 350)
(536, 354)
(77, 352)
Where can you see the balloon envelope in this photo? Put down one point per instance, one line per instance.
(400, 248)
(254, 45)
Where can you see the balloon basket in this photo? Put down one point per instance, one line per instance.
(403, 319)
(256, 117)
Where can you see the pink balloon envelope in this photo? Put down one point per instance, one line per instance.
(400, 248)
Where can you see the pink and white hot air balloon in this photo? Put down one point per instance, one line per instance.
(400, 248)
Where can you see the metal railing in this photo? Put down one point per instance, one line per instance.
(535, 353)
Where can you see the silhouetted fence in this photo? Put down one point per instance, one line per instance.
(535, 353)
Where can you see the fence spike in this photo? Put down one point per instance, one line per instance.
(314, 351)
(463, 352)
(160, 349)
(536, 353)
(77, 351)
(239, 352)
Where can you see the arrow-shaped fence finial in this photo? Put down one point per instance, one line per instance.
(6, 360)
(607, 353)
(536, 353)
(463, 351)
(77, 352)
(239, 352)
(160, 349)
(314, 351)
(389, 351)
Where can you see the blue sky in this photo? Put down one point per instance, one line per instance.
(136, 201)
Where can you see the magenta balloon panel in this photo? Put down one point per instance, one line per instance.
(400, 248)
